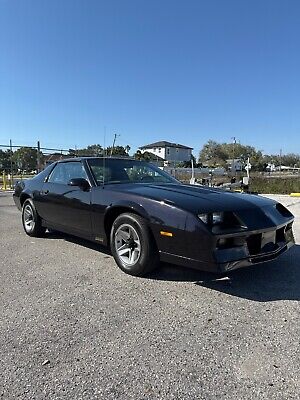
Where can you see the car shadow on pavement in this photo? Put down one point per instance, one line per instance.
(77, 240)
(276, 280)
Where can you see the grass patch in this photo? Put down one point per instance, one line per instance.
(275, 185)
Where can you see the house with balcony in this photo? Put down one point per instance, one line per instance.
(170, 152)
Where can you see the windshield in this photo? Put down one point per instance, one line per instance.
(112, 170)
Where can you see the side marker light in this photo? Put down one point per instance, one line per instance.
(163, 233)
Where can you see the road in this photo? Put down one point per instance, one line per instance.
(73, 326)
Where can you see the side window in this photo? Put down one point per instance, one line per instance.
(58, 174)
(63, 172)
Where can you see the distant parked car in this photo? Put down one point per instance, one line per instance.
(145, 216)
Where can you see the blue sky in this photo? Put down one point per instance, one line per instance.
(184, 71)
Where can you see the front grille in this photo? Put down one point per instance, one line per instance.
(254, 243)
(280, 237)
(268, 241)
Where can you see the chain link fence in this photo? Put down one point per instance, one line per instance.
(14, 166)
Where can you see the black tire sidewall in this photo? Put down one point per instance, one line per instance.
(148, 256)
(37, 230)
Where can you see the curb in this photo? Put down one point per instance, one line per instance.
(295, 194)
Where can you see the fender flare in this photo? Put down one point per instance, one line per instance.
(131, 205)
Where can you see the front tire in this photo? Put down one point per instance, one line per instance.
(133, 246)
(32, 222)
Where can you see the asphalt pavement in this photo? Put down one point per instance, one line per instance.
(73, 326)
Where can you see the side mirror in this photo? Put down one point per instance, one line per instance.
(80, 182)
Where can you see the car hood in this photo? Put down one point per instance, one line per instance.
(255, 211)
(197, 198)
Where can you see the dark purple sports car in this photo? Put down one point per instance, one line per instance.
(146, 216)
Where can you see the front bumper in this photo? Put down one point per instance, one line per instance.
(254, 247)
(257, 247)
(252, 260)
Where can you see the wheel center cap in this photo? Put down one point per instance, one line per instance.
(131, 243)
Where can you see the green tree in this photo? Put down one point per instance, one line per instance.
(216, 154)
(213, 154)
(25, 158)
(5, 160)
(117, 151)
(291, 160)
(127, 148)
(138, 155)
(94, 150)
(145, 156)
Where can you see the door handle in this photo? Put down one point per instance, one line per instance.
(45, 191)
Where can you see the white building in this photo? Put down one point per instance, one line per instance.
(271, 167)
(235, 165)
(172, 152)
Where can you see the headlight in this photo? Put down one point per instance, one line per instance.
(212, 219)
(219, 222)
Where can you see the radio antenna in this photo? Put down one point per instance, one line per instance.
(104, 155)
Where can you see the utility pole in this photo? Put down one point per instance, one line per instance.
(280, 156)
(11, 165)
(113, 145)
(233, 154)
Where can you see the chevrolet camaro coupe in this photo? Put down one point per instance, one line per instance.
(146, 216)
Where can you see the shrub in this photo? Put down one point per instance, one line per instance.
(275, 185)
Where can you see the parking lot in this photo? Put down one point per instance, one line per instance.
(73, 326)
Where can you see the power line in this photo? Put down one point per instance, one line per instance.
(32, 147)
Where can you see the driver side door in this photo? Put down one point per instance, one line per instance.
(65, 207)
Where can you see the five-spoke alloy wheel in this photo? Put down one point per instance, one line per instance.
(127, 244)
(132, 245)
(28, 218)
(32, 223)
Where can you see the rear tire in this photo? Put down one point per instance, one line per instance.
(133, 246)
(32, 222)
